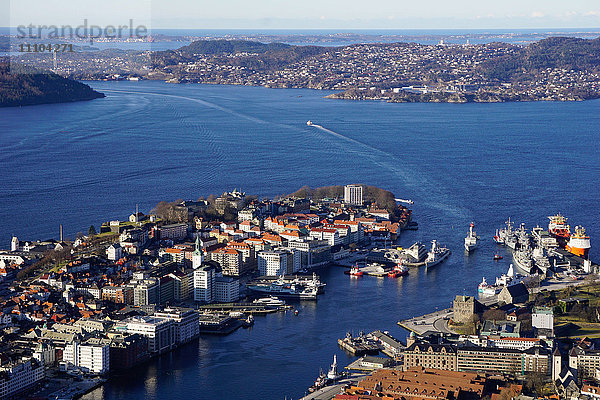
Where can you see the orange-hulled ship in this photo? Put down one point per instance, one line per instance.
(579, 243)
(558, 228)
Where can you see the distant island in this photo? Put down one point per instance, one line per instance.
(24, 86)
(552, 69)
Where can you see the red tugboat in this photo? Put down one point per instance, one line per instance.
(497, 257)
(355, 271)
(558, 228)
(399, 270)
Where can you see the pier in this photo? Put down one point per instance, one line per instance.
(246, 308)
(360, 345)
(436, 322)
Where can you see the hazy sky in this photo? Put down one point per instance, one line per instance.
(310, 14)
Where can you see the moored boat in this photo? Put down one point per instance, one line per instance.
(436, 255)
(399, 270)
(579, 243)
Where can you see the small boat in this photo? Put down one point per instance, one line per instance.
(296, 312)
(355, 271)
(498, 257)
(248, 322)
(399, 270)
(309, 123)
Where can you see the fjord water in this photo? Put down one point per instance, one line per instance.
(84, 163)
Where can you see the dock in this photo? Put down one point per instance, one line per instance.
(360, 345)
(246, 308)
(436, 322)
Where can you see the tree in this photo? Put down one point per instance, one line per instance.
(92, 230)
(534, 382)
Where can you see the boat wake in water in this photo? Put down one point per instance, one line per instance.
(416, 184)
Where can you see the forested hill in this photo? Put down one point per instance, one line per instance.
(22, 86)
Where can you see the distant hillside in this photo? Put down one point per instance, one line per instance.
(262, 56)
(23, 86)
(231, 46)
(555, 52)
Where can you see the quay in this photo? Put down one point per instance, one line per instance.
(433, 322)
(247, 308)
(330, 391)
(360, 345)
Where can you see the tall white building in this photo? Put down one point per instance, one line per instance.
(91, 356)
(204, 283)
(353, 195)
(275, 262)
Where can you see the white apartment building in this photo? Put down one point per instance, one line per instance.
(331, 235)
(186, 320)
(204, 283)
(353, 195)
(91, 356)
(17, 377)
(159, 331)
(275, 262)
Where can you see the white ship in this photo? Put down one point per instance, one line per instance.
(471, 241)
(508, 279)
(436, 255)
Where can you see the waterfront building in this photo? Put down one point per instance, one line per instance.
(187, 326)
(127, 351)
(353, 195)
(226, 289)
(17, 377)
(159, 331)
(427, 355)
(204, 282)
(275, 262)
(313, 253)
(91, 356)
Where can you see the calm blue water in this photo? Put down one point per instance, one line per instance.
(84, 163)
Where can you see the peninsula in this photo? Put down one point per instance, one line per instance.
(24, 86)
